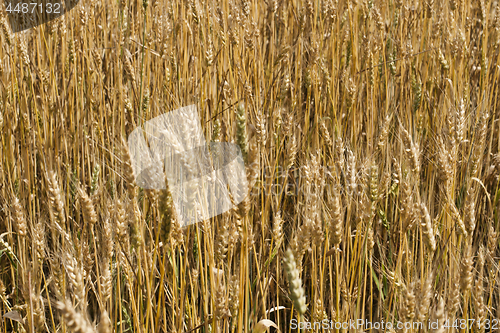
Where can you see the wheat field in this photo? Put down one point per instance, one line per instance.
(371, 143)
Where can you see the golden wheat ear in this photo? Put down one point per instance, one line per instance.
(75, 321)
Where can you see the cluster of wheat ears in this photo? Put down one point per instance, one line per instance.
(371, 141)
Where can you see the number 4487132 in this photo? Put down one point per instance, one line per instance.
(25, 8)
(468, 323)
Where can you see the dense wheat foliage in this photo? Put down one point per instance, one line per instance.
(371, 136)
